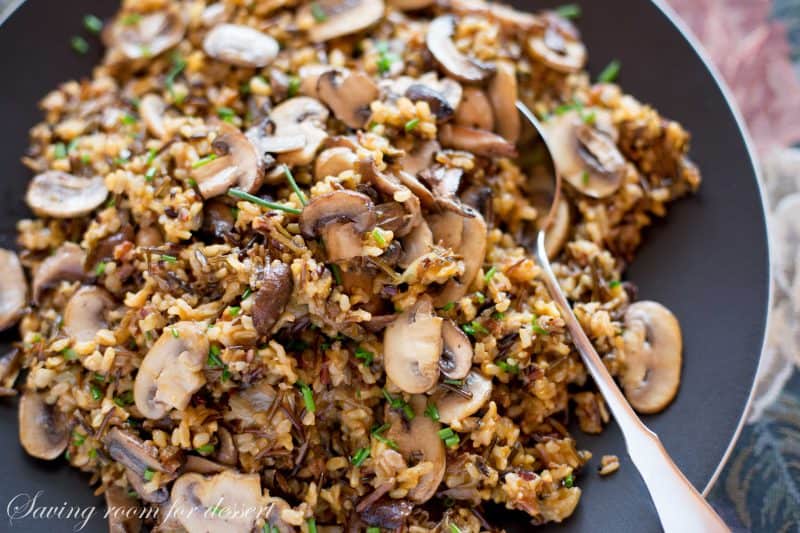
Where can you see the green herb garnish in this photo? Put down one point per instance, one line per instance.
(308, 397)
(92, 23)
(150, 174)
(377, 433)
(318, 13)
(448, 306)
(205, 449)
(204, 160)
(312, 525)
(168, 258)
(69, 354)
(226, 113)
(293, 185)
(96, 392)
(610, 72)
(293, 87)
(79, 44)
(432, 412)
(364, 355)
(411, 125)
(568, 481)
(128, 119)
(214, 360)
(124, 399)
(569, 11)
(100, 269)
(490, 274)
(537, 328)
(360, 456)
(131, 18)
(449, 437)
(614, 284)
(508, 367)
(242, 195)
(234, 310)
(60, 151)
(399, 403)
(378, 237)
(337, 274)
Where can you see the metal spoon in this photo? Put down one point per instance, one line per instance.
(680, 507)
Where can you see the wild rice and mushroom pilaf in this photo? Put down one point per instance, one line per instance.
(280, 260)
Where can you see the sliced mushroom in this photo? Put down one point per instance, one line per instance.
(123, 511)
(237, 164)
(557, 48)
(503, 96)
(418, 441)
(341, 17)
(439, 40)
(475, 110)
(43, 428)
(152, 108)
(140, 36)
(218, 219)
(412, 347)
(334, 161)
(172, 370)
(437, 101)
(301, 116)
(227, 453)
(84, 315)
(420, 158)
(653, 346)
(349, 94)
(444, 184)
(480, 142)
(585, 155)
(468, 241)
(540, 195)
(340, 218)
(157, 495)
(390, 186)
(270, 300)
(13, 289)
(416, 244)
(240, 45)
(263, 137)
(411, 5)
(453, 406)
(132, 453)
(456, 360)
(201, 465)
(60, 195)
(66, 264)
(219, 502)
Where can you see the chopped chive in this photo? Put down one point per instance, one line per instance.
(614, 284)
(411, 125)
(205, 449)
(568, 481)
(589, 118)
(432, 412)
(72, 144)
(242, 195)
(456, 382)
(168, 258)
(399, 403)
(585, 177)
(508, 367)
(610, 73)
(569, 11)
(226, 374)
(452, 441)
(474, 327)
(497, 315)
(385, 58)
(69, 354)
(77, 438)
(191, 182)
(312, 525)
(128, 119)
(378, 236)
(377, 433)
(318, 13)
(537, 328)
(213, 357)
(131, 18)
(226, 113)
(454, 528)
(92, 453)
(293, 87)
(150, 174)
(79, 44)
(373, 529)
(308, 397)
(445, 433)
(92, 23)
(364, 355)
(86, 159)
(148, 474)
(96, 392)
(100, 269)
(360, 456)
(490, 274)
(267, 528)
(234, 310)
(175, 333)
(337, 274)
(480, 297)
(246, 294)
(448, 306)
(293, 185)
(124, 399)
(178, 64)
(204, 160)
(151, 155)
(60, 151)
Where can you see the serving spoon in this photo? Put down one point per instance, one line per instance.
(680, 507)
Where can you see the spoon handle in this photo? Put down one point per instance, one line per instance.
(680, 507)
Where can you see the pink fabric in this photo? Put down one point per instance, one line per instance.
(752, 53)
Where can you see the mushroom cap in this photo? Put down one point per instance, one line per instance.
(131, 452)
(585, 155)
(270, 300)
(301, 115)
(475, 110)
(653, 346)
(472, 249)
(66, 264)
(454, 407)
(480, 142)
(416, 244)
(60, 195)
(439, 40)
(412, 346)
(457, 353)
(420, 158)
(13, 289)
(558, 49)
(171, 371)
(540, 194)
(342, 17)
(348, 94)
(503, 96)
(240, 45)
(84, 313)
(238, 165)
(334, 161)
(43, 428)
(437, 101)
(152, 109)
(150, 35)
(340, 218)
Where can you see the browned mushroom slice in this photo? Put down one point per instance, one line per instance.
(453, 406)
(201, 465)
(60, 195)
(585, 155)
(172, 370)
(334, 161)
(151, 109)
(412, 347)
(558, 49)
(472, 248)
(301, 116)
(480, 142)
(475, 110)
(156, 495)
(420, 158)
(13, 289)
(341, 17)
(349, 94)
(416, 244)
(237, 164)
(340, 218)
(503, 96)
(123, 511)
(139, 36)
(131, 452)
(426, 198)
(227, 453)
(444, 184)
(410, 5)
(66, 264)
(540, 195)
(418, 440)
(457, 353)
(240, 45)
(653, 346)
(510, 19)
(390, 186)
(248, 406)
(439, 40)
(84, 315)
(43, 428)
(436, 100)
(270, 300)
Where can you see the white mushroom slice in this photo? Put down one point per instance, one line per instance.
(42, 427)
(237, 164)
(475, 110)
(447, 228)
(301, 116)
(653, 346)
(472, 249)
(172, 370)
(439, 41)
(341, 17)
(152, 109)
(13, 289)
(456, 360)
(60, 195)
(420, 158)
(437, 101)
(132, 453)
(418, 441)
(540, 196)
(348, 94)
(503, 96)
(219, 502)
(66, 264)
(412, 346)
(139, 36)
(84, 315)
(558, 49)
(390, 186)
(340, 218)
(453, 406)
(334, 161)
(585, 155)
(480, 142)
(123, 511)
(213, 14)
(416, 244)
(240, 45)
(309, 78)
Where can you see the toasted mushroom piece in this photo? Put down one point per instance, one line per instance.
(84, 315)
(420, 158)
(145, 36)
(171, 371)
(238, 164)
(418, 440)
(540, 194)
(201, 465)
(436, 100)
(471, 246)
(503, 96)
(304, 116)
(480, 142)
(349, 94)
(123, 511)
(237, 492)
(412, 346)
(558, 49)
(453, 406)
(43, 428)
(270, 300)
(13, 289)
(132, 453)
(391, 186)
(240, 45)
(342, 17)
(410, 5)
(152, 108)
(156, 495)
(334, 161)
(653, 346)
(457, 353)
(439, 40)
(585, 155)
(416, 244)
(340, 218)
(475, 110)
(66, 264)
(227, 453)
(60, 195)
